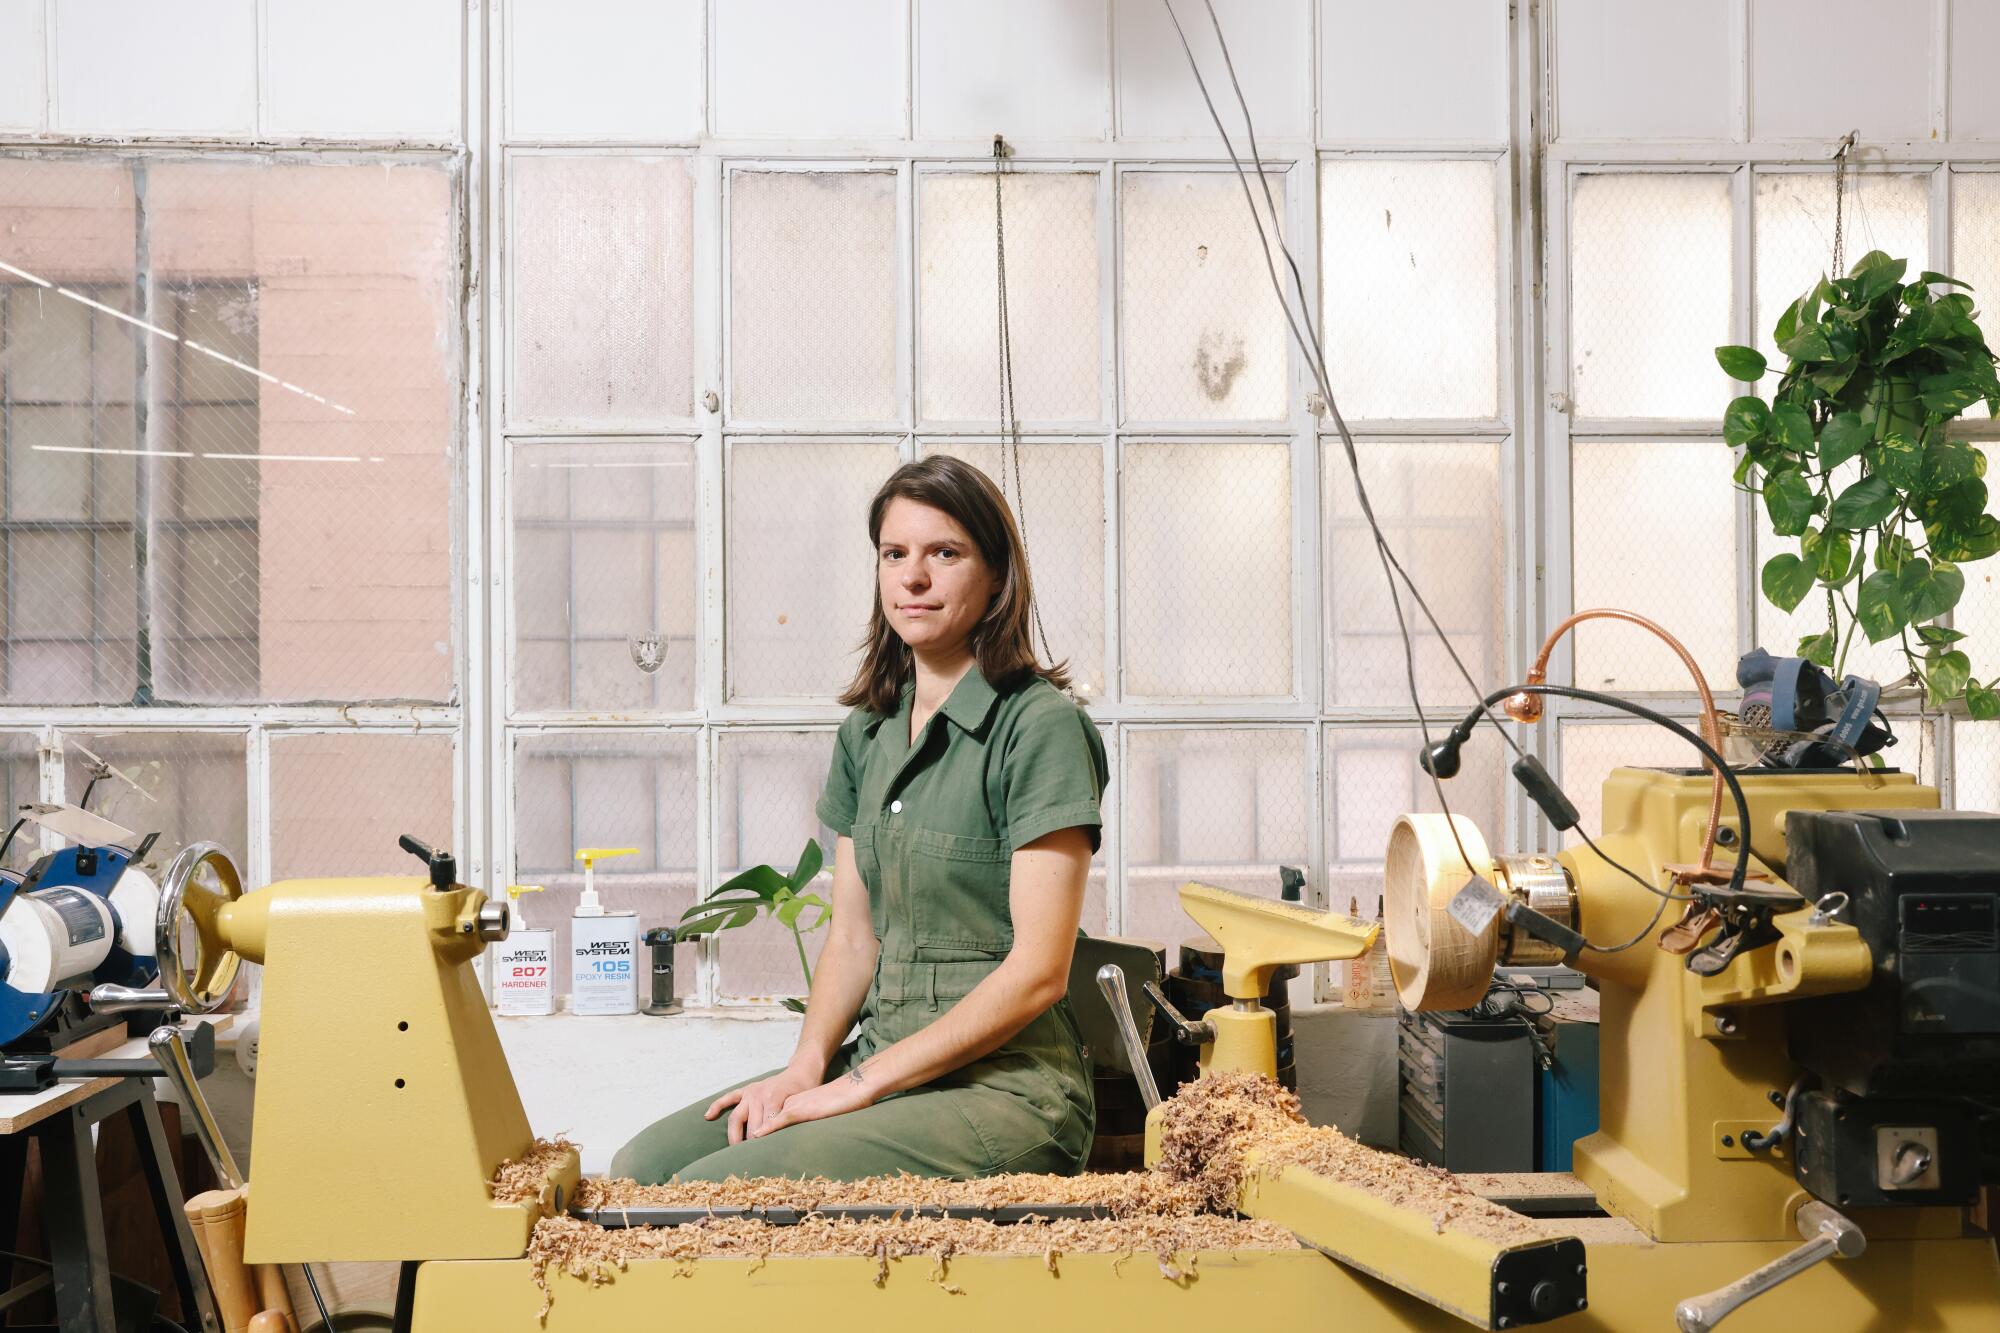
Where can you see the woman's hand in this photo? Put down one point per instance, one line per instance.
(756, 1103)
(849, 1092)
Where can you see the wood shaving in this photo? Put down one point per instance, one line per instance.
(595, 1254)
(1123, 1194)
(524, 1179)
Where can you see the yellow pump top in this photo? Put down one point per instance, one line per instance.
(514, 892)
(590, 856)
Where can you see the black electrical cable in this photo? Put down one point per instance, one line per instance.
(7, 843)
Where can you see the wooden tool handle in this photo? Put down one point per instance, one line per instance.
(218, 1217)
(273, 1297)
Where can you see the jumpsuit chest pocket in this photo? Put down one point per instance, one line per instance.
(956, 887)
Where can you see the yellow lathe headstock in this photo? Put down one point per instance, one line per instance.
(1258, 936)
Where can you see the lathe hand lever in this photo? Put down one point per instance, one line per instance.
(1111, 980)
(1186, 1031)
(1829, 1236)
(168, 1048)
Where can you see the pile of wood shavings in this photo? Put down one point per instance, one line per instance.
(1129, 1194)
(524, 1179)
(1211, 1125)
(595, 1254)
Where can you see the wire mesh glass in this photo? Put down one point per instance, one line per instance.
(1440, 506)
(1975, 765)
(20, 783)
(767, 785)
(814, 278)
(1675, 563)
(340, 800)
(1420, 238)
(1223, 806)
(1203, 335)
(605, 580)
(801, 575)
(616, 789)
(602, 292)
(1207, 569)
(1052, 297)
(1650, 294)
(1372, 780)
(1975, 249)
(1063, 525)
(186, 786)
(1793, 223)
(229, 419)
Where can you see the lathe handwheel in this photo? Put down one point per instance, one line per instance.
(200, 882)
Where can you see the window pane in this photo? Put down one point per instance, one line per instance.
(603, 556)
(1794, 222)
(191, 787)
(603, 289)
(1976, 763)
(1440, 507)
(1052, 299)
(1204, 337)
(801, 573)
(813, 283)
(768, 785)
(630, 789)
(1372, 780)
(1222, 807)
(1653, 531)
(1975, 248)
(20, 783)
(1409, 271)
(1208, 569)
(1650, 274)
(339, 802)
(1063, 525)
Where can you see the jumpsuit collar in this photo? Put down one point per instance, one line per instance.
(969, 704)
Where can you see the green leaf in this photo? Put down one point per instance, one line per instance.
(1874, 274)
(1950, 393)
(1808, 344)
(1787, 579)
(1841, 439)
(1982, 702)
(1792, 428)
(1937, 636)
(1741, 363)
(810, 861)
(1863, 505)
(1947, 677)
(1879, 611)
(708, 917)
(1788, 323)
(1819, 648)
(1893, 552)
(1899, 461)
(761, 881)
(1789, 499)
(1833, 377)
(1833, 557)
(1927, 590)
(1947, 463)
(1973, 541)
(1938, 279)
(794, 1004)
(1745, 419)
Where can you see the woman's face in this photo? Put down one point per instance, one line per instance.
(935, 587)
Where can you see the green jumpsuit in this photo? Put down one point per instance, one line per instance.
(935, 825)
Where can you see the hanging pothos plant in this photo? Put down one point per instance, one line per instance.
(1851, 457)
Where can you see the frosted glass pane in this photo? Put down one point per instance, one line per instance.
(1372, 780)
(768, 783)
(1204, 337)
(603, 294)
(1588, 751)
(603, 557)
(1976, 765)
(624, 789)
(1794, 228)
(1975, 249)
(1052, 300)
(1208, 569)
(1409, 272)
(1650, 283)
(339, 802)
(1440, 507)
(192, 787)
(1223, 807)
(1653, 531)
(812, 319)
(801, 575)
(1064, 531)
(1978, 609)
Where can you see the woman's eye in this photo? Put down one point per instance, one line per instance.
(947, 553)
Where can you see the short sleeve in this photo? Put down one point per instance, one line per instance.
(837, 803)
(1054, 772)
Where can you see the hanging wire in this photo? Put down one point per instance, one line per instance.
(1010, 417)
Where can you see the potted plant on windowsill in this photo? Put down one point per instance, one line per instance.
(738, 902)
(1852, 457)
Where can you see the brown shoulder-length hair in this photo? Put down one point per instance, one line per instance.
(1002, 642)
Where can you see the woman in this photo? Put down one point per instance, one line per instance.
(964, 787)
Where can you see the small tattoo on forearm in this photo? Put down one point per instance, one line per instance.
(855, 1074)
